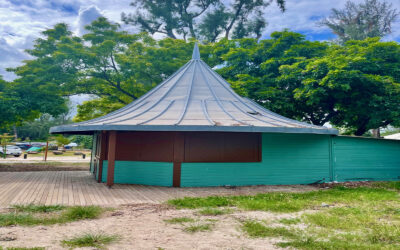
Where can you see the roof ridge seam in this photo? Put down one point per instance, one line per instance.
(188, 94)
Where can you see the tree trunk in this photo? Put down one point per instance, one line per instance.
(360, 131)
(376, 133)
(15, 132)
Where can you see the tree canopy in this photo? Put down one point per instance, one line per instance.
(360, 21)
(201, 19)
(354, 85)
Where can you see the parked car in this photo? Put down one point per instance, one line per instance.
(11, 150)
(23, 145)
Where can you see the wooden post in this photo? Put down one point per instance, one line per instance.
(47, 149)
(179, 155)
(112, 143)
(103, 148)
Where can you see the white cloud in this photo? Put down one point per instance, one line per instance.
(87, 16)
(22, 21)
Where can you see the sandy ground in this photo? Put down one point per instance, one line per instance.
(143, 227)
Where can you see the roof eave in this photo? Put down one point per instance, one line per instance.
(252, 129)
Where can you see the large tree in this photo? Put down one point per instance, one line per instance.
(372, 18)
(200, 19)
(110, 65)
(355, 86)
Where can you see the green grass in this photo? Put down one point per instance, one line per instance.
(82, 213)
(394, 185)
(289, 202)
(357, 218)
(32, 215)
(179, 220)
(292, 221)
(194, 228)
(258, 229)
(91, 240)
(214, 211)
(38, 208)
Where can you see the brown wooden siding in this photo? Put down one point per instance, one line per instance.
(188, 146)
(222, 147)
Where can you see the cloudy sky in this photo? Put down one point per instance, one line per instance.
(21, 21)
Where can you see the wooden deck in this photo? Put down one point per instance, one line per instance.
(79, 188)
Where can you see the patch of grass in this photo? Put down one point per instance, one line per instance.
(194, 228)
(38, 208)
(291, 221)
(214, 211)
(30, 219)
(395, 185)
(256, 229)
(11, 219)
(179, 220)
(360, 227)
(82, 213)
(91, 240)
(289, 202)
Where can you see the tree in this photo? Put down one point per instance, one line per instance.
(361, 82)
(112, 66)
(61, 140)
(200, 19)
(355, 86)
(38, 129)
(360, 21)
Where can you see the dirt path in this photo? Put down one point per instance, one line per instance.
(143, 227)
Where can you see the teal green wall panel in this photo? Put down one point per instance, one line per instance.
(365, 159)
(146, 173)
(286, 159)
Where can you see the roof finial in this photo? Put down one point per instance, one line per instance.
(196, 53)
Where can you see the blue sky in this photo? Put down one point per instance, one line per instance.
(21, 21)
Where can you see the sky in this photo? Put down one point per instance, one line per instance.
(22, 21)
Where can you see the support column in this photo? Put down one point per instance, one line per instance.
(179, 155)
(103, 151)
(112, 143)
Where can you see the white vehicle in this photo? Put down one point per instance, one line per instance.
(11, 150)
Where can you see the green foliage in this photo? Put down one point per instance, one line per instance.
(371, 18)
(85, 141)
(200, 19)
(38, 129)
(61, 140)
(355, 86)
(91, 240)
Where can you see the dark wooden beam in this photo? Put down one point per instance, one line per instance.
(112, 143)
(176, 179)
(179, 157)
(103, 149)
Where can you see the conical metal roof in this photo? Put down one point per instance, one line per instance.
(194, 98)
